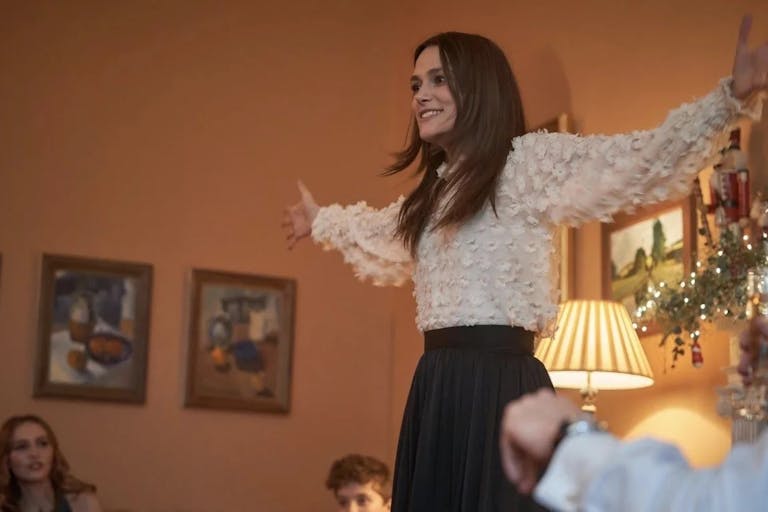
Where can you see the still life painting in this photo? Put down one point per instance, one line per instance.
(241, 341)
(93, 329)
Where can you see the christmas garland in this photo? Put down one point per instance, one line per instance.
(723, 284)
(717, 288)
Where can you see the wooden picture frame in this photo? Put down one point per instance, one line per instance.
(565, 235)
(629, 243)
(93, 329)
(567, 263)
(240, 348)
(560, 123)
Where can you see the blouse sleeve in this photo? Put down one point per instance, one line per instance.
(365, 236)
(574, 179)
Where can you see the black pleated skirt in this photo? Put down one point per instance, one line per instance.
(448, 452)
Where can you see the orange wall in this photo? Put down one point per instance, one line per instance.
(172, 133)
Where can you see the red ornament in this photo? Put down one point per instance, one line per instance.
(697, 359)
(729, 185)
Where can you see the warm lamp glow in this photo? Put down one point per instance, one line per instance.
(595, 347)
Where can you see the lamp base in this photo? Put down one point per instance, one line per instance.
(588, 399)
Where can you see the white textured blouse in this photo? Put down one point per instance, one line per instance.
(501, 270)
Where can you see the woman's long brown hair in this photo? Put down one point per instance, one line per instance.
(62, 481)
(489, 114)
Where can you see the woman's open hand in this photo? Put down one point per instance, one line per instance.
(297, 218)
(750, 67)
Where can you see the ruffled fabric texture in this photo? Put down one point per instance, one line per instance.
(501, 269)
(575, 179)
(365, 237)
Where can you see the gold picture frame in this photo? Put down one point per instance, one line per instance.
(627, 245)
(565, 235)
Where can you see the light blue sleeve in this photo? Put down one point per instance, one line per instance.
(598, 473)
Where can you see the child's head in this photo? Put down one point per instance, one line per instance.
(360, 483)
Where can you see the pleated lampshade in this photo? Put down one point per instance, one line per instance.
(595, 347)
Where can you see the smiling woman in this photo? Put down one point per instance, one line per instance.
(477, 236)
(433, 105)
(35, 475)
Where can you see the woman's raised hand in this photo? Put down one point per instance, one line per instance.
(297, 218)
(750, 67)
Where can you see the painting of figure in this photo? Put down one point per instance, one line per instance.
(241, 341)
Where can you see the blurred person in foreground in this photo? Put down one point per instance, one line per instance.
(551, 449)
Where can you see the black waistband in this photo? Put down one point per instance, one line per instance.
(481, 337)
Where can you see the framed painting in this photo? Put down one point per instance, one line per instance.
(565, 235)
(93, 329)
(240, 349)
(654, 245)
(560, 123)
(566, 263)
